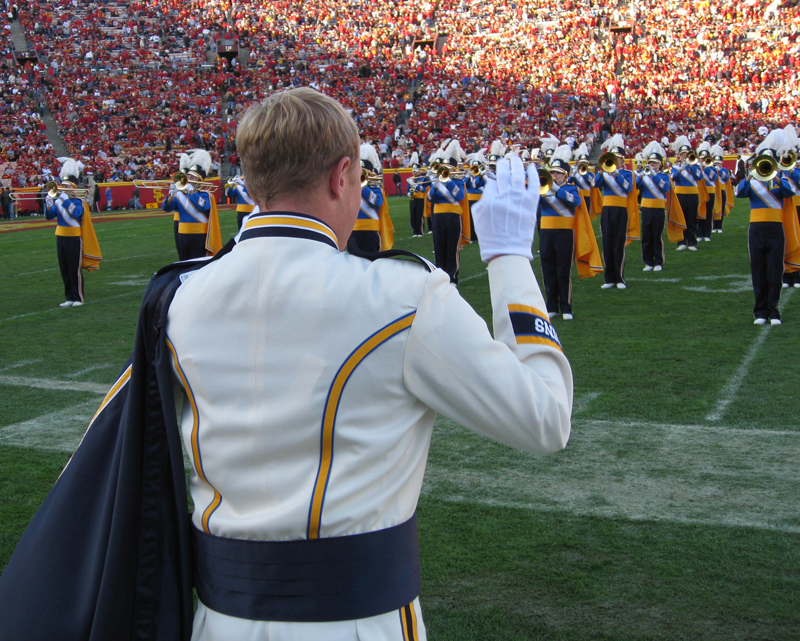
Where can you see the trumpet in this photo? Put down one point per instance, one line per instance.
(708, 161)
(608, 163)
(648, 170)
(788, 161)
(764, 168)
(545, 181)
(691, 158)
(583, 168)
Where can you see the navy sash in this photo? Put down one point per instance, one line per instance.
(334, 579)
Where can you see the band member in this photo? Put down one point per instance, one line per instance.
(418, 186)
(689, 183)
(496, 151)
(475, 184)
(773, 234)
(447, 212)
(198, 227)
(373, 231)
(566, 234)
(237, 192)
(725, 189)
(713, 205)
(76, 242)
(654, 186)
(583, 178)
(547, 148)
(789, 169)
(615, 183)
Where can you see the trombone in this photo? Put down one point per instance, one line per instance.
(444, 173)
(764, 168)
(478, 170)
(368, 178)
(52, 191)
(180, 180)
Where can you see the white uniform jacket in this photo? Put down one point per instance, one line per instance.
(313, 378)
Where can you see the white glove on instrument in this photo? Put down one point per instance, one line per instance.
(505, 216)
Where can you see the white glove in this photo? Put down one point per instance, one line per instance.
(505, 216)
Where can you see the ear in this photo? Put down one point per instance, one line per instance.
(339, 177)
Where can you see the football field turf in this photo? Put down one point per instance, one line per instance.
(672, 514)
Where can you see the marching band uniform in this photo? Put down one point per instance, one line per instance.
(654, 188)
(475, 186)
(237, 191)
(193, 209)
(373, 231)
(793, 178)
(614, 221)
(584, 182)
(418, 187)
(557, 247)
(726, 191)
(446, 214)
(767, 241)
(76, 242)
(685, 179)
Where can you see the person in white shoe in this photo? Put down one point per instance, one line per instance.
(689, 184)
(76, 242)
(309, 419)
(773, 240)
(654, 185)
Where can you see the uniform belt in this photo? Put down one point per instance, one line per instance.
(366, 224)
(690, 189)
(334, 579)
(796, 200)
(61, 230)
(474, 196)
(654, 203)
(417, 194)
(558, 222)
(447, 208)
(176, 217)
(245, 208)
(765, 215)
(585, 193)
(615, 201)
(192, 228)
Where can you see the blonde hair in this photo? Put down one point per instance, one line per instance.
(289, 142)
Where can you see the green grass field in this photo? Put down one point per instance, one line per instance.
(672, 514)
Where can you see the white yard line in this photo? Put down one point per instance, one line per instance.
(65, 310)
(59, 431)
(86, 370)
(105, 260)
(479, 275)
(20, 364)
(637, 471)
(53, 384)
(731, 389)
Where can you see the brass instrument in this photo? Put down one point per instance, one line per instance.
(648, 170)
(435, 166)
(180, 180)
(764, 168)
(608, 163)
(788, 161)
(478, 170)
(583, 167)
(368, 178)
(708, 161)
(545, 181)
(691, 158)
(52, 191)
(445, 173)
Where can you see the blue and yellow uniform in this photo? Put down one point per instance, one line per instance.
(417, 190)
(557, 245)
(793, 177)
(68, 213)
(446, 213)
(193, 211)
(766, 241)
(711, 176)
(366, 233)
(614, 188)
(654, 189)
(685, 179)
(584, 183)
(475, 186)
(237, 193)
(724, 181)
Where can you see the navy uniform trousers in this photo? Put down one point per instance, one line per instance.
(717, 224)
(68, 249)
(557, 252)
(689, 204)
(416, 209)
(614, 227)
(766, 243)
(191, 246)
(653, 221)
(704, 225)
(447, 242)
(367, 241)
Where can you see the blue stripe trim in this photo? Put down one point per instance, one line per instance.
(525, 324)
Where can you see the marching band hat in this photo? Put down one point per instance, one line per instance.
(615, 144)
(70, 171)
(559, 159)
(369, 158)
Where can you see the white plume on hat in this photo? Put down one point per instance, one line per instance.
(497, 148)
(454, 150)
(614, 141)
(680, 141)
(562, 152)
(704, 146)
(716, 150)
(200, 158)
(184, 162)
(70, 169)
(653, 148)
(583, 150)
(414, 160)
(638, 156)
(777, 141)
(549, 144)
(478, 156)
(370, 154)
(791, 136)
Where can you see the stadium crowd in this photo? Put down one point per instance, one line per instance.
(130, 84)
